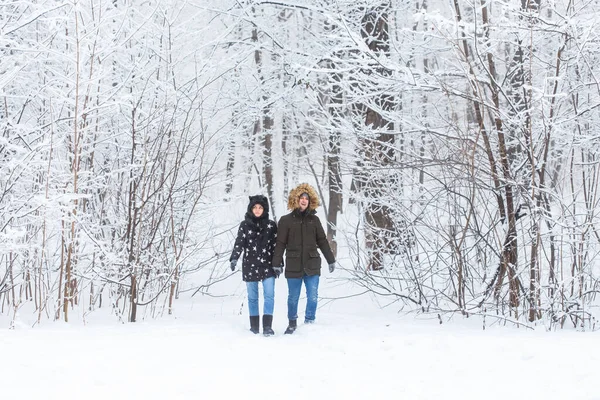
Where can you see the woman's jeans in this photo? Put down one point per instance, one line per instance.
(268, 285)
(312, 288)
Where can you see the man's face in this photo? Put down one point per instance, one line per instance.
(303, 203)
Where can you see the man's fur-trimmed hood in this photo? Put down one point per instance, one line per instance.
(297, 191)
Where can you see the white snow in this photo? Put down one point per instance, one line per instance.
(355, 351)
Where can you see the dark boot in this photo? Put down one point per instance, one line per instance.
(291, 327)
(255, 324)
(267, 323)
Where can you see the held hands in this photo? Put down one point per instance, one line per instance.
(278, 271)
(232, 264)
(332, 267)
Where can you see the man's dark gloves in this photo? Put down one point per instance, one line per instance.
(332, 267)
(278, 271)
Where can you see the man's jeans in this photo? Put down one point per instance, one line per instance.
(312, 293)
(268, 292)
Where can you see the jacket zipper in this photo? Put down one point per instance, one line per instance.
(302, 244)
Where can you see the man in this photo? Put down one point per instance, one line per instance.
(299, 234)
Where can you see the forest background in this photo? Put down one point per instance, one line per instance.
(455, 146)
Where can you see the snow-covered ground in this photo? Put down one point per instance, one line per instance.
(355, 351)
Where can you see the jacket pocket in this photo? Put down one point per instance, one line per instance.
(292, 261)
(314, 261)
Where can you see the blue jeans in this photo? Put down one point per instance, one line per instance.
(312, 293)
(268, 292)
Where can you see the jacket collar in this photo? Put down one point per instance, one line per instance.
(307, 212)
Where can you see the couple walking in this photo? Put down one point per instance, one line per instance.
(299, 234)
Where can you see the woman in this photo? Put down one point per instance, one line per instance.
(256, 238)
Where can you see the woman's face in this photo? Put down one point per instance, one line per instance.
(257, 210)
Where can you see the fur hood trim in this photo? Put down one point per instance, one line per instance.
(297, 191)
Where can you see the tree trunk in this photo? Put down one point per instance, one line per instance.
(335, 189)
(334, 171)
(378, 151)
(265, 127)
(230, 166)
